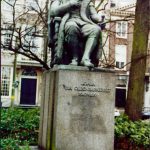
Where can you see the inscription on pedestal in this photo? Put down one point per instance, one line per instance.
(86, 89)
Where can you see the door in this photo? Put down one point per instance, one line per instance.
(28, 91)
(120, 98)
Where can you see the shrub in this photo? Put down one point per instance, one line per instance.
(19, 125)
(12, 144)
(9, 143)
(138, 131)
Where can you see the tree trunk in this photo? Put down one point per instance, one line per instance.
(135, 96)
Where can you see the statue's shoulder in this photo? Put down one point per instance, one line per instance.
(55, 1)
(91, 4)
(52, 1)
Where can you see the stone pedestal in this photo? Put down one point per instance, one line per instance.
(77, 110)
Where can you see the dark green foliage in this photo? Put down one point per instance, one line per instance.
(9, 143)
(19, 126)
(13, 144)
(138, 131)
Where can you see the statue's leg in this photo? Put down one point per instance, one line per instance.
(92, 35)
(72, 35)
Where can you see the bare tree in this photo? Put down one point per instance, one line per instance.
(21, 44)
(23, 30)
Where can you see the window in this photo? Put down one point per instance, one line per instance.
(10, 1)
(6, 5)
(120, 56)
(19, 8)
(6, 81)
(29, 72)
(119, 64)
(31, 40)
(32, 4)
(7, 37)
(121, 29)
(112, 3)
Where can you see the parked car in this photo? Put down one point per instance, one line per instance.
(116, 113)
(146, 113)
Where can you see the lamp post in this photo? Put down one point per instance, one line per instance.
(14, 79)
(15, 83)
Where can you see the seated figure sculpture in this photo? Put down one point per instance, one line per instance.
(74, 35)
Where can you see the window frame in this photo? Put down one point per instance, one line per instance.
(120, 23)
(30, 40)
(30, 4)
(7, 36)
(10, 81)
(117, 59)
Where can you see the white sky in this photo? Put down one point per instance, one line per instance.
(125, 2)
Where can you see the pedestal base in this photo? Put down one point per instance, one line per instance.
(77, 111)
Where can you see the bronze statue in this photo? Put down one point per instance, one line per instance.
(74, 35)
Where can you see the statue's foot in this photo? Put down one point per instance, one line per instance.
(74, 62)
(87, 63)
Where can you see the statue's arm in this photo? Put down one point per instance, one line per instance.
(58, 9)
(94, 15)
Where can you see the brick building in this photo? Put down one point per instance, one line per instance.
(120, 49)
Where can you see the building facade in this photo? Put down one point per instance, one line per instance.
(120, 49)
(21, 76)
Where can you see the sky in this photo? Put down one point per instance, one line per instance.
(125, 2)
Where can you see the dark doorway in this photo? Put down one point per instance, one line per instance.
(28, 91)
(120, 97)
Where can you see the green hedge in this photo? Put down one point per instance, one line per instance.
(19, 126)
(137, 132)
(13, 144)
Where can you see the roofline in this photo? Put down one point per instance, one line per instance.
(125, 7)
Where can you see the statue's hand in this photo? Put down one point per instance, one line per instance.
(102, 24)
(75, 3)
